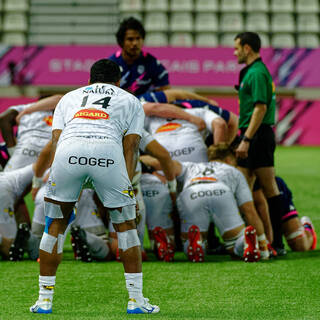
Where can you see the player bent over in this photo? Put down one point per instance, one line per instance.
(98, 128)
(299, 233)
(216, 191)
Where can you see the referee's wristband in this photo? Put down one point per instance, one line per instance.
(36, 182)
(245, 138)
(172, 185)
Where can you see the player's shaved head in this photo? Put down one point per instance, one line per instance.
(105, 71)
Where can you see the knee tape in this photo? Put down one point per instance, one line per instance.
(61, 238)
(47, 242)
(295, 235)
(128, 239)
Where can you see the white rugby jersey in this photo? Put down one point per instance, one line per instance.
(215, 171)
(146, 138)
(33, 125)
(13, 183)
(182, 138)
(98, 110)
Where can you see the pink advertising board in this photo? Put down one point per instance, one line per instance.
(297, 123)
(69, 65)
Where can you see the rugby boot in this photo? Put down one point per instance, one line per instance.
(43, 306)
(307, 224)
(135, 307)
(17, 248)
(273, 253)
(251, 248)
(195, 247)
(164, 248)
(80, 245)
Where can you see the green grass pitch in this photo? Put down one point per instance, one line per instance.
(285, 288)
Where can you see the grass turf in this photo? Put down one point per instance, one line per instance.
(285, 288)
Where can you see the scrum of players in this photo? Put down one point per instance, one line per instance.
(186, 183)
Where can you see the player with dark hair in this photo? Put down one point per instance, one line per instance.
(257, 116)
(96, 132)
(140, 71)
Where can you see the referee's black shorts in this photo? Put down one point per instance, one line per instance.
(261, 150)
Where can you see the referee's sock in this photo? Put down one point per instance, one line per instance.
(276, 210)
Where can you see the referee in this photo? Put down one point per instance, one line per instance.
(257, 116)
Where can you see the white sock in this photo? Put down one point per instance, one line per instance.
(134, 285)
(46, 285)
(239, 247)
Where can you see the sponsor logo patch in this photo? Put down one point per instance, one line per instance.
(48, 120)
(169, 127)
(203, 179)
(92, 114)
(129, 192)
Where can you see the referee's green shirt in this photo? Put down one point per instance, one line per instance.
(256, 86)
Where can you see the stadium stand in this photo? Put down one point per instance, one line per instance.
(81, 22)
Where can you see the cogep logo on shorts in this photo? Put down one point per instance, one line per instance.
(207, 193)
(84, 161)
(182, 152)
(92, 114)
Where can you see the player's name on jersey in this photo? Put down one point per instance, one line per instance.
(99, 89)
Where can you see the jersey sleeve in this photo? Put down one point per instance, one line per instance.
(161, 76)
(58, 122)
(259, 88)
(207, 115)
(20, 107)
(145, 140)
(242, 192)
(137, 121)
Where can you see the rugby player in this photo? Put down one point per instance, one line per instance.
(299, 233)
(215, 190)
(149, 145)
(34, 130)
(98, 128)
(185, 143)
(140, 71)
(13, 186)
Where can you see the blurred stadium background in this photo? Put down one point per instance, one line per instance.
(48, 46)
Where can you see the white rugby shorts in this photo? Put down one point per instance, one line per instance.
(101, 160)
(157, 201)
(24, 154)
(202, 203)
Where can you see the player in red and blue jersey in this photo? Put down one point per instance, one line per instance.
(140, 71)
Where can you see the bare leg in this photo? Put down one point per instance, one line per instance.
(5, 246)
(301, 239)
(131, 258)
(49, 262)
